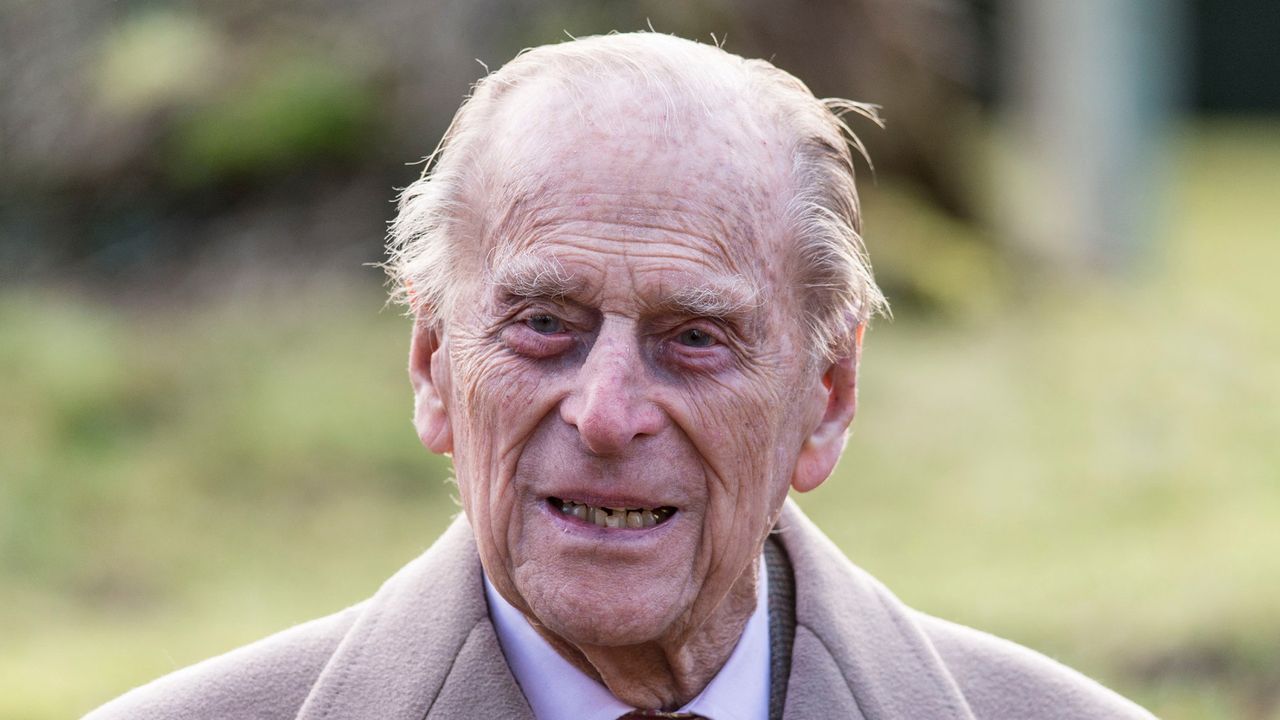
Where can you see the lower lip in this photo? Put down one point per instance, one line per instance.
(573, 525)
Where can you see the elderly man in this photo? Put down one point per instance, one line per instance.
(639, 296)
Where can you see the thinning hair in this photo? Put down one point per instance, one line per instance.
(833, 274)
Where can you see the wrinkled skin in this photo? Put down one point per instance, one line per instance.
(604, 387)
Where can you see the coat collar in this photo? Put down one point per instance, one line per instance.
(423, 646)
(858, 651)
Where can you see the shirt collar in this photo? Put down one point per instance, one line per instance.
(556, 690)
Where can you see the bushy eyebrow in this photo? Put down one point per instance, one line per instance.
(731, 298)
(543, 277)
(535, 277)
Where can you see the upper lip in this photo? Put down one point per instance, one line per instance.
(609, 500)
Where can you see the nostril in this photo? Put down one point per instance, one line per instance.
(608, 426)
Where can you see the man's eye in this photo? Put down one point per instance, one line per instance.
(544, 324)
(694, 337)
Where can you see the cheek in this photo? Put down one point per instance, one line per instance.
(737, 427)
(499, 399)
(499, 402)
(741, 431)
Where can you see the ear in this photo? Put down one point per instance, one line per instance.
(824, 445)
(429, 374)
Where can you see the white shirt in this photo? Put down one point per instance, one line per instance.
(556, 690)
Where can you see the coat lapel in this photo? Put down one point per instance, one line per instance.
(480, 685)
(817, 688)
(422, 647)
(858, 651)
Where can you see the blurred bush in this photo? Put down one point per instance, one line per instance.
(158, 59)
(224, 112)
(297, 110)
(147, 136)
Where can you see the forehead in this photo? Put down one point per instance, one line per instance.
(628, 172)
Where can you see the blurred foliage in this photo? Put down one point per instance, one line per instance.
(1087, 468)
(145, 134)
(156, 59)
(234, 113)
(930, 261)
(299, 109)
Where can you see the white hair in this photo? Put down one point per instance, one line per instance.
(823, 216)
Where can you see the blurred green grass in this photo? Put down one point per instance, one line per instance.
(1089, 468)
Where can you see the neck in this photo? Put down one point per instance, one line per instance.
(668, 673)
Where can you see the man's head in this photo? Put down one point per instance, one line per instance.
(639, 294)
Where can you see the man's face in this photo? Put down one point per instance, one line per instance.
(625, 375)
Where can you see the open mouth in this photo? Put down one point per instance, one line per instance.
(613, 517)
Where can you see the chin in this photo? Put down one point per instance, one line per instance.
(615, 616)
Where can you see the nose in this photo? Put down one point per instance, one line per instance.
(610, 407)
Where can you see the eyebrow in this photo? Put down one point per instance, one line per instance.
(535, 277)
(542, 277)
(721, 298)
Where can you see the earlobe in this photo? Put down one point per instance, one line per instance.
(824, 445)
(428, 373)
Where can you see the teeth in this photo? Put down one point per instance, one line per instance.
(615, 517)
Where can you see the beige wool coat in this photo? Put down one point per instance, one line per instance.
(423, 647)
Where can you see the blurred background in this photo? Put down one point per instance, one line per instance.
(1068, 432)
